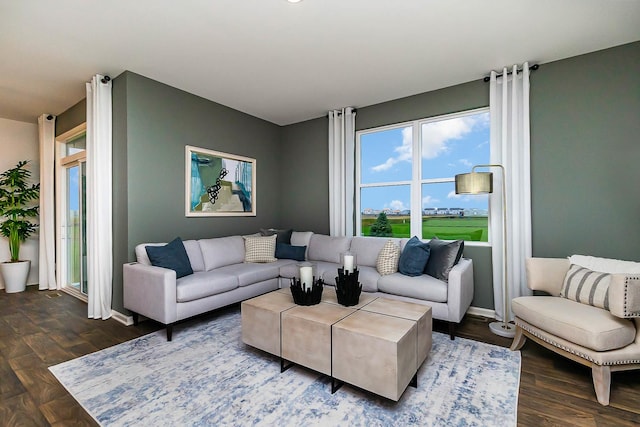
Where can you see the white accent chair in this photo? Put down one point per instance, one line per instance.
(604, 340)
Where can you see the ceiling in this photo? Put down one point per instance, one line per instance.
(284, 62)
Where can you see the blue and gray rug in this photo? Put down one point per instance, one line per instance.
(207, 377)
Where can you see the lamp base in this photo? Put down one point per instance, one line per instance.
(506, 330)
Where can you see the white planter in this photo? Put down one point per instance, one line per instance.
(15, 275)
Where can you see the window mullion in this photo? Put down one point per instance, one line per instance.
(416, 190)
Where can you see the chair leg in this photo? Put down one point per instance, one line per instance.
(169, 331)
(602, 382)
(452, 330)
(518, 340)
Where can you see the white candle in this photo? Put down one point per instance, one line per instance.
(306, 277)
(348, 263)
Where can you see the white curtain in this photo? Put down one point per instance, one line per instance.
(509, 105)
(99, 206)
(47, 258)
(342, 125)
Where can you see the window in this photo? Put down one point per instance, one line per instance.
(416, 192)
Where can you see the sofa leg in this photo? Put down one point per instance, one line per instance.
(169, 331)
(452, 330)
(602, 382)
(518, 340)
(136, 318)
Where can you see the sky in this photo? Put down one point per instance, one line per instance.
(449, 147)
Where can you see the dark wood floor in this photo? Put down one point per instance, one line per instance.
(41, 329)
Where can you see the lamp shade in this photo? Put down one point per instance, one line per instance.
(474, 183)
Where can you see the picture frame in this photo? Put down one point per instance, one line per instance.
(219, 184)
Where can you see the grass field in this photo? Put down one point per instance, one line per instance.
(474, 229)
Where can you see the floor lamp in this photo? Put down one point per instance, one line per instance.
(482, 183)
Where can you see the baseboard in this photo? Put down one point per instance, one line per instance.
(122, 318)
(484, 312)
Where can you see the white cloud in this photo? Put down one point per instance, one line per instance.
(436, 135)
(404, 152)
(466, 162)
(428, 200)
(453, 195)
(397, 205)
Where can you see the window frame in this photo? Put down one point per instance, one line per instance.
(416, 182)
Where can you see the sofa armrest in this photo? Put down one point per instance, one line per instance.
(546, 274)
(624, 295)
(150, 291)
(460, 289)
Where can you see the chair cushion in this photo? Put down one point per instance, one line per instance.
(587, 287)
(204, 284)
(422, 287)
(582, 324)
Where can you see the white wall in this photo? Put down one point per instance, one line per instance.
(19, 141)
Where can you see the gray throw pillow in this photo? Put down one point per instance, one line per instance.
(283, 236)
(443, 256)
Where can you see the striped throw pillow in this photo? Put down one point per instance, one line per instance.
(260, 249)
(387, 262)
(586, 286)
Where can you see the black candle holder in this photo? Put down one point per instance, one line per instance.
(348, 288)
(307, 296)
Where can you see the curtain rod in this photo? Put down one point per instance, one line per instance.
(532, 68)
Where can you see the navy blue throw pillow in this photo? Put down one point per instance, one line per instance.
(414, 257)
(172, 255)
(285, 251)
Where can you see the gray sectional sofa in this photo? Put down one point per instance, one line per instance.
(221, 277)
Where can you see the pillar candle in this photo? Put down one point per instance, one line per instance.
(348, 263)
(306, 277)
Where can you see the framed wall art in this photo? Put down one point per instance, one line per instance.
(219, 184)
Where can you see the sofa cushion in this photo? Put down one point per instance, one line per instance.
(260, 249)
(250, 273)
(285, 251)
(387, 262)
(414, 257)
(195, 254)
(172, 256)
(585, 325)
(422, 287)
(283, 236)
(368, 278)
(221, 251)
(327, 248)
(586, 286)
(444, 255)
(367, 249)
(204, 284)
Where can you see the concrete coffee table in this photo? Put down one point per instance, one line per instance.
(377, 345)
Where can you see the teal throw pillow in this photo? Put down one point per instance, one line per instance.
(414, 257)
(173, 255)
(444, 255)
(285, 251)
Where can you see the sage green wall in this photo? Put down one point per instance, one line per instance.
(584, 155)
(585, 152)
(72, 117)
(152, 124)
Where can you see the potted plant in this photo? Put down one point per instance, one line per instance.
(16, 196)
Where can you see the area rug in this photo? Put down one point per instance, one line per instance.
(207, 377)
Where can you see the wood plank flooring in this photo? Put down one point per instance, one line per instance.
(42, 328)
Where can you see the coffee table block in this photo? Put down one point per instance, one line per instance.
(261, 320)
(375, 352)
(421, 314)
(306, 334)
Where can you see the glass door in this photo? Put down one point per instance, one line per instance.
(71, 202)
